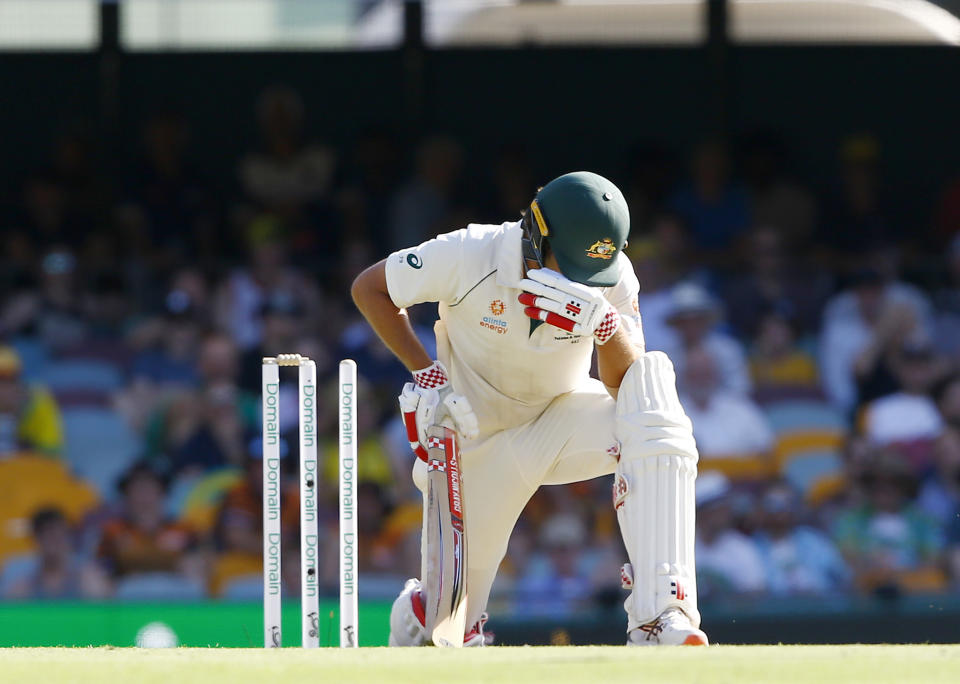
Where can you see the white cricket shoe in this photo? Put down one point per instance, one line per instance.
(672, 628)
(406, 617)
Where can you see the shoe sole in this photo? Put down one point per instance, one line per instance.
(695, 640)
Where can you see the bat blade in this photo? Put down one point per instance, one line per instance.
(446, 576)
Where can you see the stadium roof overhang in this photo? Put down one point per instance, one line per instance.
(629, 22)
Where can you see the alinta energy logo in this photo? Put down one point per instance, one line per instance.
(495, 323)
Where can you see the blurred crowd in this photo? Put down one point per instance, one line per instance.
(814, 325)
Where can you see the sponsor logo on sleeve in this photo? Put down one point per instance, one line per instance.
(414, 261)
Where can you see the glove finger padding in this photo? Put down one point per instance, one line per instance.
(463, 415)
(558, 281)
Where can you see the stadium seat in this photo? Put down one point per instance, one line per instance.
(99, 445)
(809, 440)
(83, 375)
(15, 569)
(29, 483)
(33, 355)
(243, 588)
(805, 470)
(803, 415)
(198, 505)
(158, 586)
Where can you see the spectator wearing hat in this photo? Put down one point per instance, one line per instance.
(799, 559)
(141, 538)
(693, 318)
(908, 416)
(56, 570)
(731, 431)
(728, 561)
(887, 541)
(29, 415)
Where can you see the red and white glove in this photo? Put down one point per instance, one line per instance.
(579, 309)
(430, 400)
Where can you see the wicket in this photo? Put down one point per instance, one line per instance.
(309, 471)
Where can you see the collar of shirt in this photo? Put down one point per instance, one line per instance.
(510, 257)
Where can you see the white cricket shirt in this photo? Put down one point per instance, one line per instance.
(508, 373)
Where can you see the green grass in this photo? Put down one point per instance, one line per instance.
(553, 664)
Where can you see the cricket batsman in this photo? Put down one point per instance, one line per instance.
(523, 305)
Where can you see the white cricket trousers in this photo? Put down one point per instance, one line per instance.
(571, 441)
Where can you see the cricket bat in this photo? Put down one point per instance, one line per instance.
(446, 574)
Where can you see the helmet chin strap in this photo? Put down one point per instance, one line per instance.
(532, 241)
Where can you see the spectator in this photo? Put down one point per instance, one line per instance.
(168, 198)
(426, 205)
(661, 261)
(371, 179)
(56, 570)
(947, 304)
(769, 280)
(714, 206)
(857, 206)
(728, 561)
(947, 396)
(171, 359)
(775, 199)
(908, 415)
(287, 173)
(241, 296)
(939, 497)
(238, 530)
(862, 326)
(649, 172)
(799, 559)
(204, 428)
(53, 313)
(887, 541)
(779, 367)
(281, 323)
(694, 315)
(556, 583)
(729, 428)
(29, 415)
(141, 538)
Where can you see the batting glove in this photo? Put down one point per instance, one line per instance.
(430, 400)
(579, 309)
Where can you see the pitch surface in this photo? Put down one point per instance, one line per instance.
(553, 664)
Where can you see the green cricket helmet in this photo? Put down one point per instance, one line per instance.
(585, 220)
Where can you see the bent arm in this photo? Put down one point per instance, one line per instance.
(391, 323)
